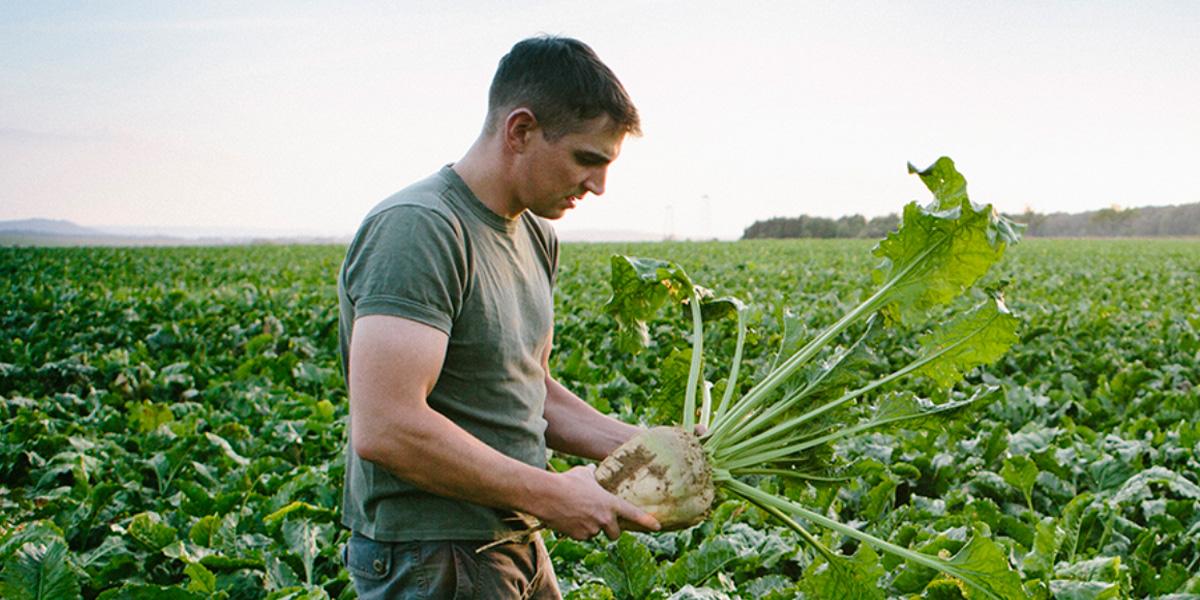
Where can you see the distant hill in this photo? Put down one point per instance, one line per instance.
(604, 235)
(46, 227)
(1149, 221)
(48, 232)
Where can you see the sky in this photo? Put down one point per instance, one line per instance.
(299, 117)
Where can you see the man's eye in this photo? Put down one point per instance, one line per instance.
(589, 160)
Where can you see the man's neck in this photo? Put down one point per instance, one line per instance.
(486, 174)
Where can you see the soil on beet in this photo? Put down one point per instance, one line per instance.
(630, 463)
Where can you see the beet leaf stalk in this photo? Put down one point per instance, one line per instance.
(816, 395)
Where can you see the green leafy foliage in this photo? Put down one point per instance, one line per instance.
(1097, 391)
(156, 405)
(1101, 388)
(1021, 473)
(706, 561)
(985, 562)
(39, 572)
(302, 538)
(666, 401)
(640, 287)
(629, 569)
(977, 337)
(856, 577)
(148, 529)
(942, 249)
(1046, 545)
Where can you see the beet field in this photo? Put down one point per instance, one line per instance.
(172, 425)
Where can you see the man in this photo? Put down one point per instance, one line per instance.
(446, 328)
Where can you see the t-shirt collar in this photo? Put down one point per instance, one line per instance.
(474, 204)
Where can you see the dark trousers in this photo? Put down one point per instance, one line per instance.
(449, 569)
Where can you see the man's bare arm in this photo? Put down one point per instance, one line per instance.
(574, 427)
(394, 364)
(578, 429)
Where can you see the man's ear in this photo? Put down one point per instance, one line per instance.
(519, 128)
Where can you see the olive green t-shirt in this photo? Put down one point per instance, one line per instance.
(433, 253)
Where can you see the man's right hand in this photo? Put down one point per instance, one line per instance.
(580, 508)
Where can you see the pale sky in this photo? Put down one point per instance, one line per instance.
(300, 116)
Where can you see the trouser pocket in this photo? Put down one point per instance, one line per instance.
(367, 559)
(545, 583)
(409, 570)
(517, 571)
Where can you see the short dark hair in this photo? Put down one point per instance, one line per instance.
(563, 82)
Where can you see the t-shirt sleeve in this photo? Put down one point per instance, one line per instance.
(407, 262)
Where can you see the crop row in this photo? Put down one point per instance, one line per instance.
(172, 422)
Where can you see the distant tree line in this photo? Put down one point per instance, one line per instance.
(804, 226)
(1151, 221)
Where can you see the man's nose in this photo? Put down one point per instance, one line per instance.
(595, 183)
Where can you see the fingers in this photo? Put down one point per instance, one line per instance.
(637, 516)
(605, 512)
(612, 530)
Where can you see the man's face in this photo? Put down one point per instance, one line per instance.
(556, 175)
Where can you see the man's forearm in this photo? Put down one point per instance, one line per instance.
(434, 454)
(578, 429)
(395, 365)
(431, 452)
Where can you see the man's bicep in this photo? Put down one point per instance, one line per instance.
(407, 262)
(394, 364)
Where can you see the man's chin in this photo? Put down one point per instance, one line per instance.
(553, 213)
